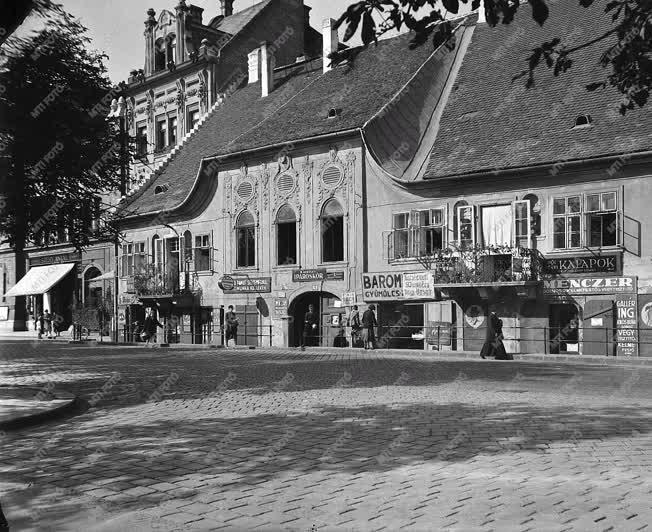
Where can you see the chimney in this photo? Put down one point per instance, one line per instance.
(482, 18)
(254, 65)
(267, 64)
(226, 8)
(331, 41)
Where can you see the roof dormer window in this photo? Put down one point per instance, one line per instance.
(583, 121)
(160, 189)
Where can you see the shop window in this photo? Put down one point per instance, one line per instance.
(332, 232)
(602, 219)
(465, 225)
(567, 222)
(141, 140)
(172, 131)
(161, 134)
(202, 253)
(286, 236)
(193, 118)
(245, 230)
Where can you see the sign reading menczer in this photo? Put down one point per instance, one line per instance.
(391, 286)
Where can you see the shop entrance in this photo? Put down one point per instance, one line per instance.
(330, 325)
(599, 327)
(564, 329)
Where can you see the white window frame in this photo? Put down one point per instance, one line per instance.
(601, 210)
(528, 207)
(458, 235)
(405, 230)
(209, 246)
(133, 249)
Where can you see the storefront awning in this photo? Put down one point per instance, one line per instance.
(108, 276)
(40, 279)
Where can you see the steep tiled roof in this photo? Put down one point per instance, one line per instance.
(235, 23)
(296, 109)
(491, 122)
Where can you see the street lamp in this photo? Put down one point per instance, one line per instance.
(119, 114)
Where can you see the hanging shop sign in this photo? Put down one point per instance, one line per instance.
(588, 286)
(260, 285)
(62, 258)
(627, 325)
(226, 283)
(308, 276)
(128, 299)
(606, 263)
(281, 307)
(390, 286)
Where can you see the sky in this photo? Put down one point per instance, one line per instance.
(116, 26)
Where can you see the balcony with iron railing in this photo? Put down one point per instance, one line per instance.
(465, 264)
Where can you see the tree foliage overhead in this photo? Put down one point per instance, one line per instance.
(57, 150)
(627, 45)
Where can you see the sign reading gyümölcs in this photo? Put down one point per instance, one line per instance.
(390, 286)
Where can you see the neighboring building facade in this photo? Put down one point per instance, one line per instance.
(433, 187)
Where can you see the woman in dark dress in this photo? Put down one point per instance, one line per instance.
(493, 345)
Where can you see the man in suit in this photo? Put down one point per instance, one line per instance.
(368, 327)
(309, 327)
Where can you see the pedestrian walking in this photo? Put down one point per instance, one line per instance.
(356, 325)
(309, 327)
(40, 324)
(369, 323)
(47, 320)
(493, 345)
(150, 328)
(232, 323)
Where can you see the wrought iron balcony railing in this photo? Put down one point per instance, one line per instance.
(155, 280)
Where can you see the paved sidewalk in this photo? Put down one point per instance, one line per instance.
(23, 405)
(283, 440)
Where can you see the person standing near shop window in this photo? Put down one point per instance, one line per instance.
(369, 323)
(356, 325)
(309, 327)
(149, 328)
(232, 323)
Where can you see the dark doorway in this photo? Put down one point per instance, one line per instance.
(564, 328)
(330, 322)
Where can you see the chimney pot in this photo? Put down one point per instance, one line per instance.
(267, 64)
(331, 41)
(226, 8)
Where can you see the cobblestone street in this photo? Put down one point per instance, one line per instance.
(182, 439)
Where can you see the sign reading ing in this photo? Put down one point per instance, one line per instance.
(389, 286)
(626, 325)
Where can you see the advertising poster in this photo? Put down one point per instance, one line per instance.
(626, 325)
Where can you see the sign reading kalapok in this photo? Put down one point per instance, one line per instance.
(606, 263)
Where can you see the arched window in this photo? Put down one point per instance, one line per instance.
(332, 231)
(187, 250)
(172, 49)
(159, 55)
(245, 234)
(286, 236)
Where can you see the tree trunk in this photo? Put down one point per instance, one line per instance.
(18, 193)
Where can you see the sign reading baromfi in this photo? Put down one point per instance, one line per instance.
(590, 285)
(389, 286)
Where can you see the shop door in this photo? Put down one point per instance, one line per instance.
(563, 330)
(333, 332)
(248, 330)
(599, 327)
(475, 326)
